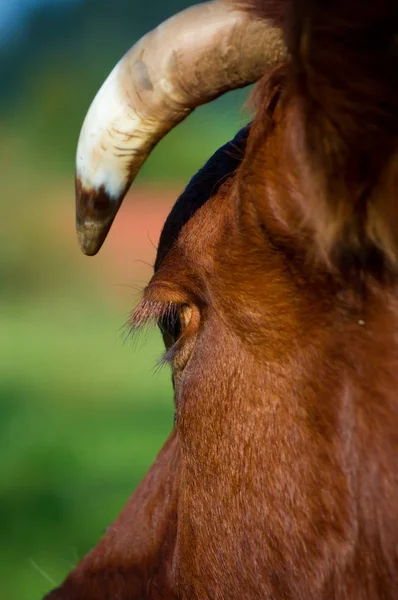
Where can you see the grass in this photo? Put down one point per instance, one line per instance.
(82, 416)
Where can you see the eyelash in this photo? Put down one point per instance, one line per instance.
(167, 357)
(172, 318)
(163, 314)
(150, 311)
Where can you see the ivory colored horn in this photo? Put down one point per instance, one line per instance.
(188, 60)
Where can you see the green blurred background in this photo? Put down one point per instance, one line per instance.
(83, 411)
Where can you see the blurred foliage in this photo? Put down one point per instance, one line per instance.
(50, 72)
(82, 415)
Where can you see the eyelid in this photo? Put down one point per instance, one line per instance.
(166, 293)
(150, 311)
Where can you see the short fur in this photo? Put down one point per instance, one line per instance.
(280, 479)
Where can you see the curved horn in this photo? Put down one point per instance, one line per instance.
(190, 59)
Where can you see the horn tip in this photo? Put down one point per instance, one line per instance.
(95, 212)
(87, 244)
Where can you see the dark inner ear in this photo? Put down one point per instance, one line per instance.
(344, 60)
(202, 186)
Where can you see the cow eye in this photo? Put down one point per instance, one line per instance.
(174, 322)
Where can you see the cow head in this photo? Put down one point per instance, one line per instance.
(275, 289)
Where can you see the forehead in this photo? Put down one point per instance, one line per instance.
(202, 187)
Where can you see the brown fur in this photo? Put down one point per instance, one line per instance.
(280, 480)
(343, 75)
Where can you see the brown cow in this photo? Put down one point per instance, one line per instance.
(276, 289)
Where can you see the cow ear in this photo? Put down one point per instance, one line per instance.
(346, 101)
(356, 228)
(267, 206)
(314, 194)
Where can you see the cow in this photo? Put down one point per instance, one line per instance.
(275, 288)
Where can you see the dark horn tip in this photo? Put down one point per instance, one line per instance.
(95, 212)
(88, 245)
(91, 234)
